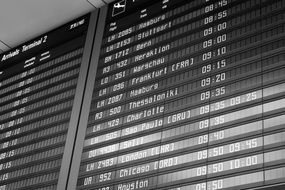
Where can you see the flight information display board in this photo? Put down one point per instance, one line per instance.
(189, 94)
(38, 82)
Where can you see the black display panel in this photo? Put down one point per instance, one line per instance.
(38, 82)
(188, 94)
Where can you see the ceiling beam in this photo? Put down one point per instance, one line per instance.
(4, 47)
(108, 1)
(97, 3)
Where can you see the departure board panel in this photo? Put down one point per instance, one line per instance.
(38, 82)
(188, 95)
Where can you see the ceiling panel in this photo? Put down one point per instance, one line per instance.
(23, 20)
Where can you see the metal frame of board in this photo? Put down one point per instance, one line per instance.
(77, 105)
(83, 120)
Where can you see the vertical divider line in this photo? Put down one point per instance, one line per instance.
(262, 102)
(98, 17)
(77, 105)
(89, 57)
